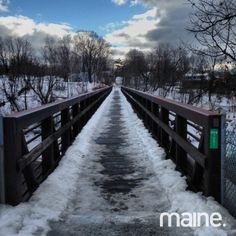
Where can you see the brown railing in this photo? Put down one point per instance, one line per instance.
(192, 137)
(34, 141)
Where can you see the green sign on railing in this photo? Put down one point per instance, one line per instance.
(214, 139)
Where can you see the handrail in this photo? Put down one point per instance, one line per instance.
(201, 164)
(26, 117)
(187, 111)
(35, 140)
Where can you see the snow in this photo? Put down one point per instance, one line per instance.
(218, 103)
(70, 191)
(175, 185)
(54, 194)
(60, 91)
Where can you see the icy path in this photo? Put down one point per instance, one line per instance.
(118, 192)
(113, 180)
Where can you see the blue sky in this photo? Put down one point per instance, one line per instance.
(88, 14)
(125, 24)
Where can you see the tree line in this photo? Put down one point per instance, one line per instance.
(213, 24)
(23, 68)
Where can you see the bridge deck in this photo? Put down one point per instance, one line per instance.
(113, 180)
(127, 196)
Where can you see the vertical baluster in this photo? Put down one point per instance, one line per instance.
(181, 130)
(48, 154)
(65, 118)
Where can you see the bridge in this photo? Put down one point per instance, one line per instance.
(109, 163)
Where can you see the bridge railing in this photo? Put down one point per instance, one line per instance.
(34, 141)
(192, 137)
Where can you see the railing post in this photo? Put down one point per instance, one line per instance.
(164, 136)
(223, 156)
(148, 119)
(92, 99)
(83, 118)
(145, 117)
(181, 129)
(75, 112)
(2, 173)
(48, 155)
(155, 111)
(13, 152)
(65, 117)
(212, 150)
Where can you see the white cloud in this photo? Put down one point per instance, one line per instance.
(119, 2)
(4, 5)
(35, 32)
(134, 3)
(120, 51)
(162, 22)
(22, 25)
(59, 30)
(134, 33)
(112, 26)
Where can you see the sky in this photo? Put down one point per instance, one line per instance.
(125, 24)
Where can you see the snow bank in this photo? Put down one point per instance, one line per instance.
(60, 91)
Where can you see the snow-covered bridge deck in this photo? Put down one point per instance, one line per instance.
(119, 192)
(113, 180)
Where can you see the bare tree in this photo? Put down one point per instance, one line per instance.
(213, 23)
(136, 69)
(93, 50)
(64, 57)
(169, 66)
(43, 85)
(16, 58)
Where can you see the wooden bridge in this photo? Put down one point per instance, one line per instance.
(34, 141)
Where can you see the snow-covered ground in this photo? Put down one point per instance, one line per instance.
(60, 91)
(219, 102)
(70, 193)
